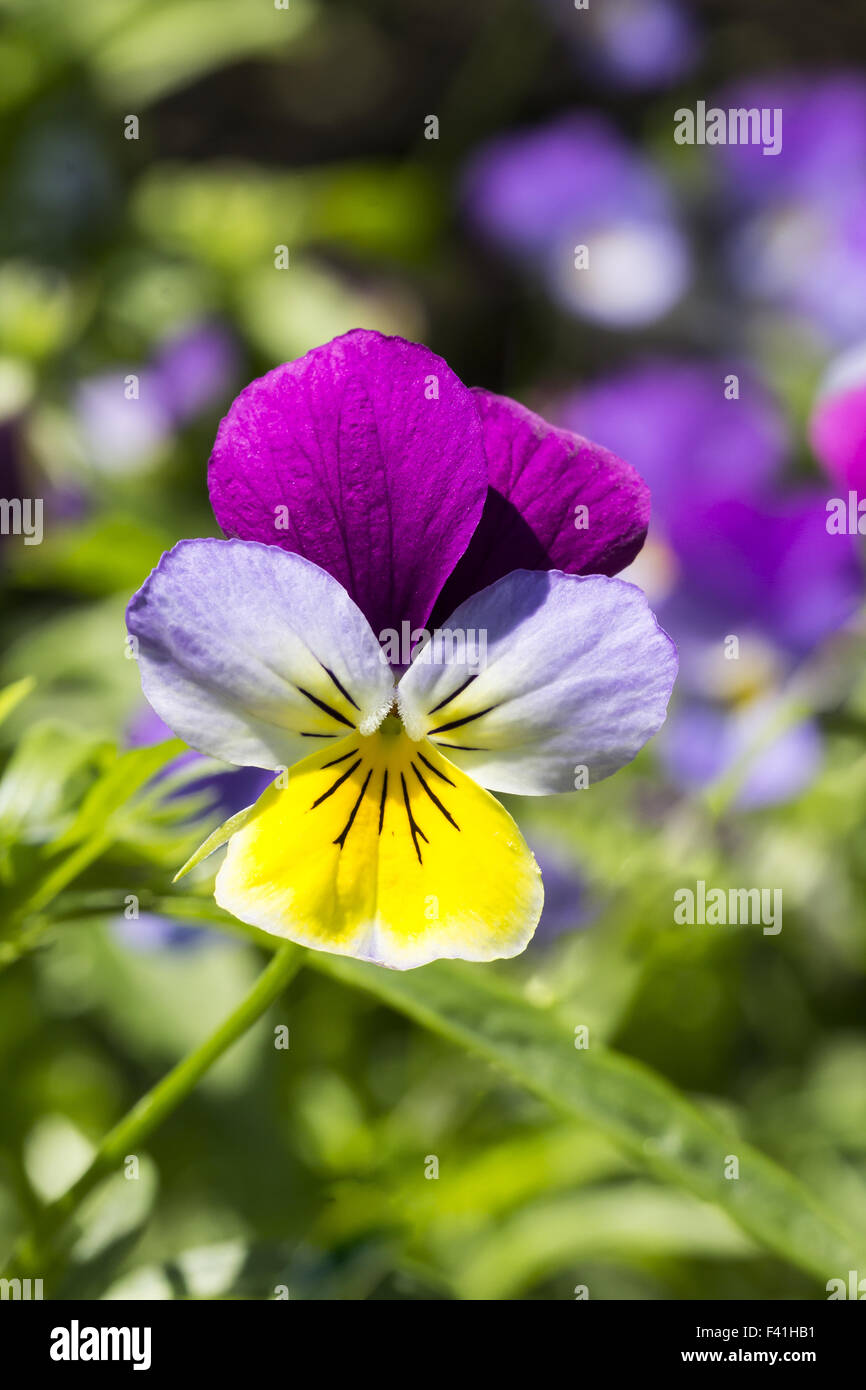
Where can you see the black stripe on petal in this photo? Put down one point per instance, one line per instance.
(467, 719)
(328, 709)
(436, 771)
(434, 798)
(342, 689)
(414, 827)
(453, 696)
(460, 747)
(341, 838)
(382, 802)
(339, 782)
(342, 758)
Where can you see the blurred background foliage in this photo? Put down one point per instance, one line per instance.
(305, 128)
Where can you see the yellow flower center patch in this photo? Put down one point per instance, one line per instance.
(381, 848)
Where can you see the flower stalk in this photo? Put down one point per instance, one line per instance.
(37, 1253)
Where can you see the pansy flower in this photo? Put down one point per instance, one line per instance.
(365, 493)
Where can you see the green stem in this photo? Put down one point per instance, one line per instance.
(35, 1254)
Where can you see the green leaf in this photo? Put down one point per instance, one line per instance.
(627, 1221)
(97, 823)
(12, 695)
(44, 777)
(625, 1100)
(126, 776)
(217, 839)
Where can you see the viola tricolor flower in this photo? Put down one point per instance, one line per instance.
(366, 492)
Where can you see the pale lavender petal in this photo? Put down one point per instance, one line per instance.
(230, 789)
(570, 673)
(366, 457)
(555, 501)
(253, 655)
(768, 251)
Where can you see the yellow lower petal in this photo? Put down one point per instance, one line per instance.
(379, 848)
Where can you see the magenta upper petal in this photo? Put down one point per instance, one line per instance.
(366, 457)
(540, 480)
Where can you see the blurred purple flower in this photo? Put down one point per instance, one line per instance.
(704, 741)
(671, 420)
(729, 554)
(800, 237)
(769, 574)
(634, 45)
(539, 194)
(567, 904)
(823, 138)
(767, 566)
(189, 372)
(194, 369)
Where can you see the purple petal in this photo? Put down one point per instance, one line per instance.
(539, 478)
(232, 789)
(643, 43)
(632, 45)
(369, 450)
(150, 932)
